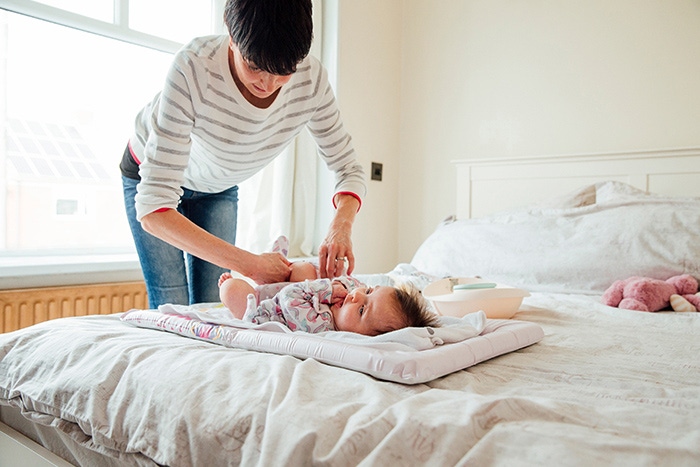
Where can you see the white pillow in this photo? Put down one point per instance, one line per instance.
(578, 243)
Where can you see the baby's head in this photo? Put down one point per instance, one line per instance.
(377, 310)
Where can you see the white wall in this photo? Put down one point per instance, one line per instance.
(368, 80)
(424, 82)
(493, 78)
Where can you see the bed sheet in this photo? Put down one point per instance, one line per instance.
(604, 387)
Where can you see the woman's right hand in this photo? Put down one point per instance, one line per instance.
(271, 268)
(172, 227)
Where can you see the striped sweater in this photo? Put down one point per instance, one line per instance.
(200, 133)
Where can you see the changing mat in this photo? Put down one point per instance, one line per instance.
(409, 355)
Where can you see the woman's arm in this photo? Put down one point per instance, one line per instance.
(174, 228)
(336, 149)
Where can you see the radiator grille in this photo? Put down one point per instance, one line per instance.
(24, 307)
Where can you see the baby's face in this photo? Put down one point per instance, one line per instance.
(368, 310)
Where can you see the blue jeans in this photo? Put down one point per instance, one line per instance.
(171, 275)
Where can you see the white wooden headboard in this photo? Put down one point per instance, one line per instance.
(487, 186)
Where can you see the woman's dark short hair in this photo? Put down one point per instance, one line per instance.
(274, 35)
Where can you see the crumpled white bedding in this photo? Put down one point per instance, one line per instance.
(604, 387)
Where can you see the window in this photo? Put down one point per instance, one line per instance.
(71, 100)
(73, 83)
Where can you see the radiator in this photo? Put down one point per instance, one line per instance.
(24, 307)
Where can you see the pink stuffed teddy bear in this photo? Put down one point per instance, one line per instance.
(646, 294)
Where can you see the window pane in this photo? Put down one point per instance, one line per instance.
(98, 9)
(161, 18)
(70, 108)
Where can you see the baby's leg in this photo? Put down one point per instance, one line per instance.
(234, 294)
(303, 270)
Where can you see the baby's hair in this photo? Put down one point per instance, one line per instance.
(414, 307)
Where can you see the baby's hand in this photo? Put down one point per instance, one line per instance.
(339, 292)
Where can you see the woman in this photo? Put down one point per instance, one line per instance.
(229, 106)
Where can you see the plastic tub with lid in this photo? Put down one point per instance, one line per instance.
(457, 296)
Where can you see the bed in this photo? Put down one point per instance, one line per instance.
(602, 386)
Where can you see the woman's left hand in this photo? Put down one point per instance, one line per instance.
(335, 256)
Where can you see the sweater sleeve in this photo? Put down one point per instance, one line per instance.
(167, 149)
(334, 142)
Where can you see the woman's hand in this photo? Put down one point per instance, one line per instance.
(271, 268)
(335, 253)
(174, 228)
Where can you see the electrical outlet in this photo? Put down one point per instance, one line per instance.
(376, 171)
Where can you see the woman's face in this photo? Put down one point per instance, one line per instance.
(259, 83)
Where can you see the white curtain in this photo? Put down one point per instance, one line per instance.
(282, 199)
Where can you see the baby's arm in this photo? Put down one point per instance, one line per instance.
(302, 301)
(340, 291)
(299, 292)
(349, 282)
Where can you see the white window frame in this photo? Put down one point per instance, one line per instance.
(118, 29)
(23, 271)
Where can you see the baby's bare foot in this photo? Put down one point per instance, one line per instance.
(224, 277)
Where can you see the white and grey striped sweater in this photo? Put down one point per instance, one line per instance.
(200, 133)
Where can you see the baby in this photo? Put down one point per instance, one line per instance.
(341, 304)
(309, 303)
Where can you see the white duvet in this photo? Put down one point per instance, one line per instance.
(604, 387)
